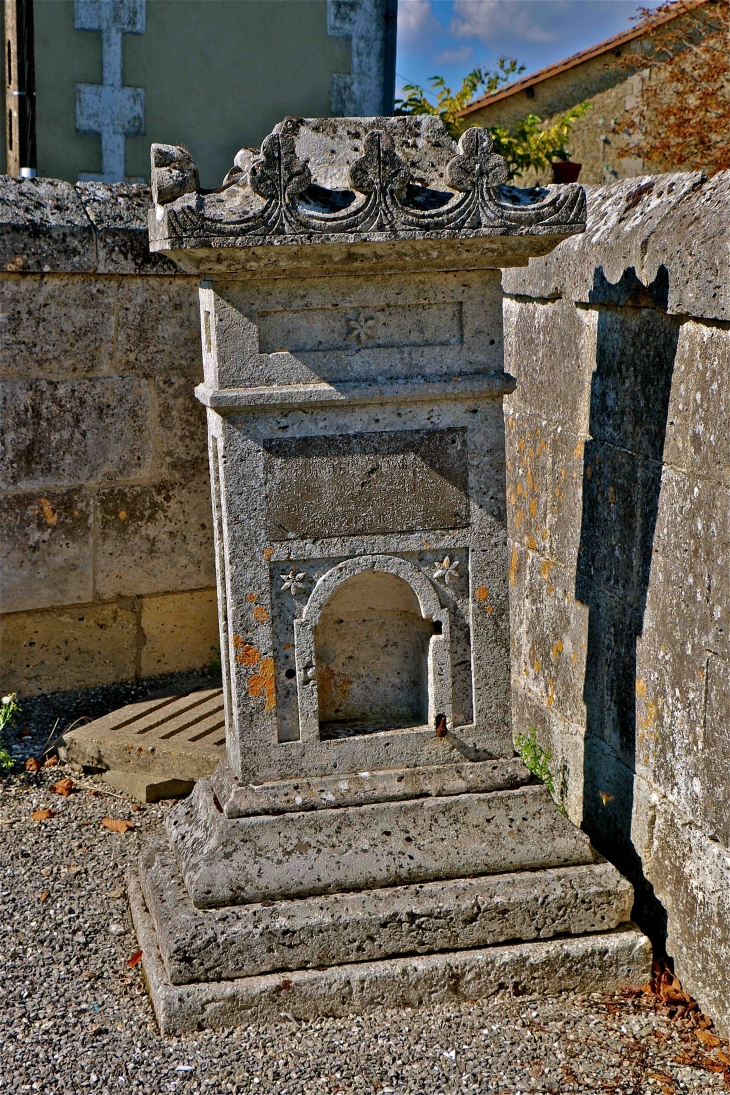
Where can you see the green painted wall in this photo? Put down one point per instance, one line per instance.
(217, 74)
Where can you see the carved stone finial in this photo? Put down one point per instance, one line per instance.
(476, 163)
(173, 173)
(278, 172)
(381, 169)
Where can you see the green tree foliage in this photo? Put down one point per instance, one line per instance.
(529, 144)
(448, 104)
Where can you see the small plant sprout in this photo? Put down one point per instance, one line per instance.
(9, 708)
(537, 760)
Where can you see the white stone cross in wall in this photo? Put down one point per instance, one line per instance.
(109, 109)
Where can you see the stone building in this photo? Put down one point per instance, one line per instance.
(111, 76)
(616, 78)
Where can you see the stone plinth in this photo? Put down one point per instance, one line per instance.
(352, 345)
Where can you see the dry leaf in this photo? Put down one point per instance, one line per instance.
(32, 764)
(63, 787)
(50, 762)
(134, 958)
(708, 1038)
(93, 791)
(722, 1056)
(117, 824)
(711, 1066)
(44, 895)
(42, 815)
(136, 808)
(605, 797)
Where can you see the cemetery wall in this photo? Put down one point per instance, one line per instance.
(105, 535)
(619, 518)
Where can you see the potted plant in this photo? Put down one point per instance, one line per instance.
(564, 169)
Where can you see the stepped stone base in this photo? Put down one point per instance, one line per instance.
(459, 914)
(587, 963)
(235, 861)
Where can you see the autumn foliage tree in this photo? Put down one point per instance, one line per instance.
(682, 121)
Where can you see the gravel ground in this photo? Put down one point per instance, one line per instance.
(75, 1015)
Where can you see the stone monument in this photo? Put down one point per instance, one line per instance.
(371, 837)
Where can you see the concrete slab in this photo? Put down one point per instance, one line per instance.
(235, 861)
(460, 914)
(589, 963)
(157, 748)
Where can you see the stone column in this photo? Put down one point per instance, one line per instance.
(352, 342)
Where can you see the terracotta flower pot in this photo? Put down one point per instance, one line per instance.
(565, 172)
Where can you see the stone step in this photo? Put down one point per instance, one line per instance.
(240, 941)
(599, 962)
(227, 861)
(240, 799)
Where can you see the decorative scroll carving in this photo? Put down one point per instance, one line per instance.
(277, 196)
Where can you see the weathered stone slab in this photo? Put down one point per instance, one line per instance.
(157, 748)
(101, 428)
(203, 944)
(360, 788)
(589, 963)
(234, 861)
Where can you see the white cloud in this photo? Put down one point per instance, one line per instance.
(418, 27)
(459, 56)
(494, 21)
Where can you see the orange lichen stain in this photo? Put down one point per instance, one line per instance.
(573, 656)
(641, 687)
(537, 665)
(519, 489)
(557, 648)
(538, 431)
(533, 507)
(512, 422)
(49, 514)
(251, 597)
(611, 495)
(513, 565)
(530, 541)
(287, 646)
(518, 518)
(262, 683)
(551, 589)
(651, 713)
(578, 451)
(550, 693)
(530, 480)
(562, 475)
(122, 515)
(559, 493)
(521, 444)
(490, 609)
(512, 498)
(509, 465)
(260, 614)
(589, 473)
(545, 569)
(482, 593)
(334, 689)
(267, 553)
(544, 534)
(248, 654)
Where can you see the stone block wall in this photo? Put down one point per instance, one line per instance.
(619, 507)
(106, 559)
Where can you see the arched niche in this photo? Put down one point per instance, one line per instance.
(372, 651)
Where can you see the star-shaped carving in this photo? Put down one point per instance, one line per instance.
(361, 328)
(294, 581)
(447, 570)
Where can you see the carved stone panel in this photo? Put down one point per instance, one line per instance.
(362, 484)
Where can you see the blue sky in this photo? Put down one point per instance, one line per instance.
(450, 37)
